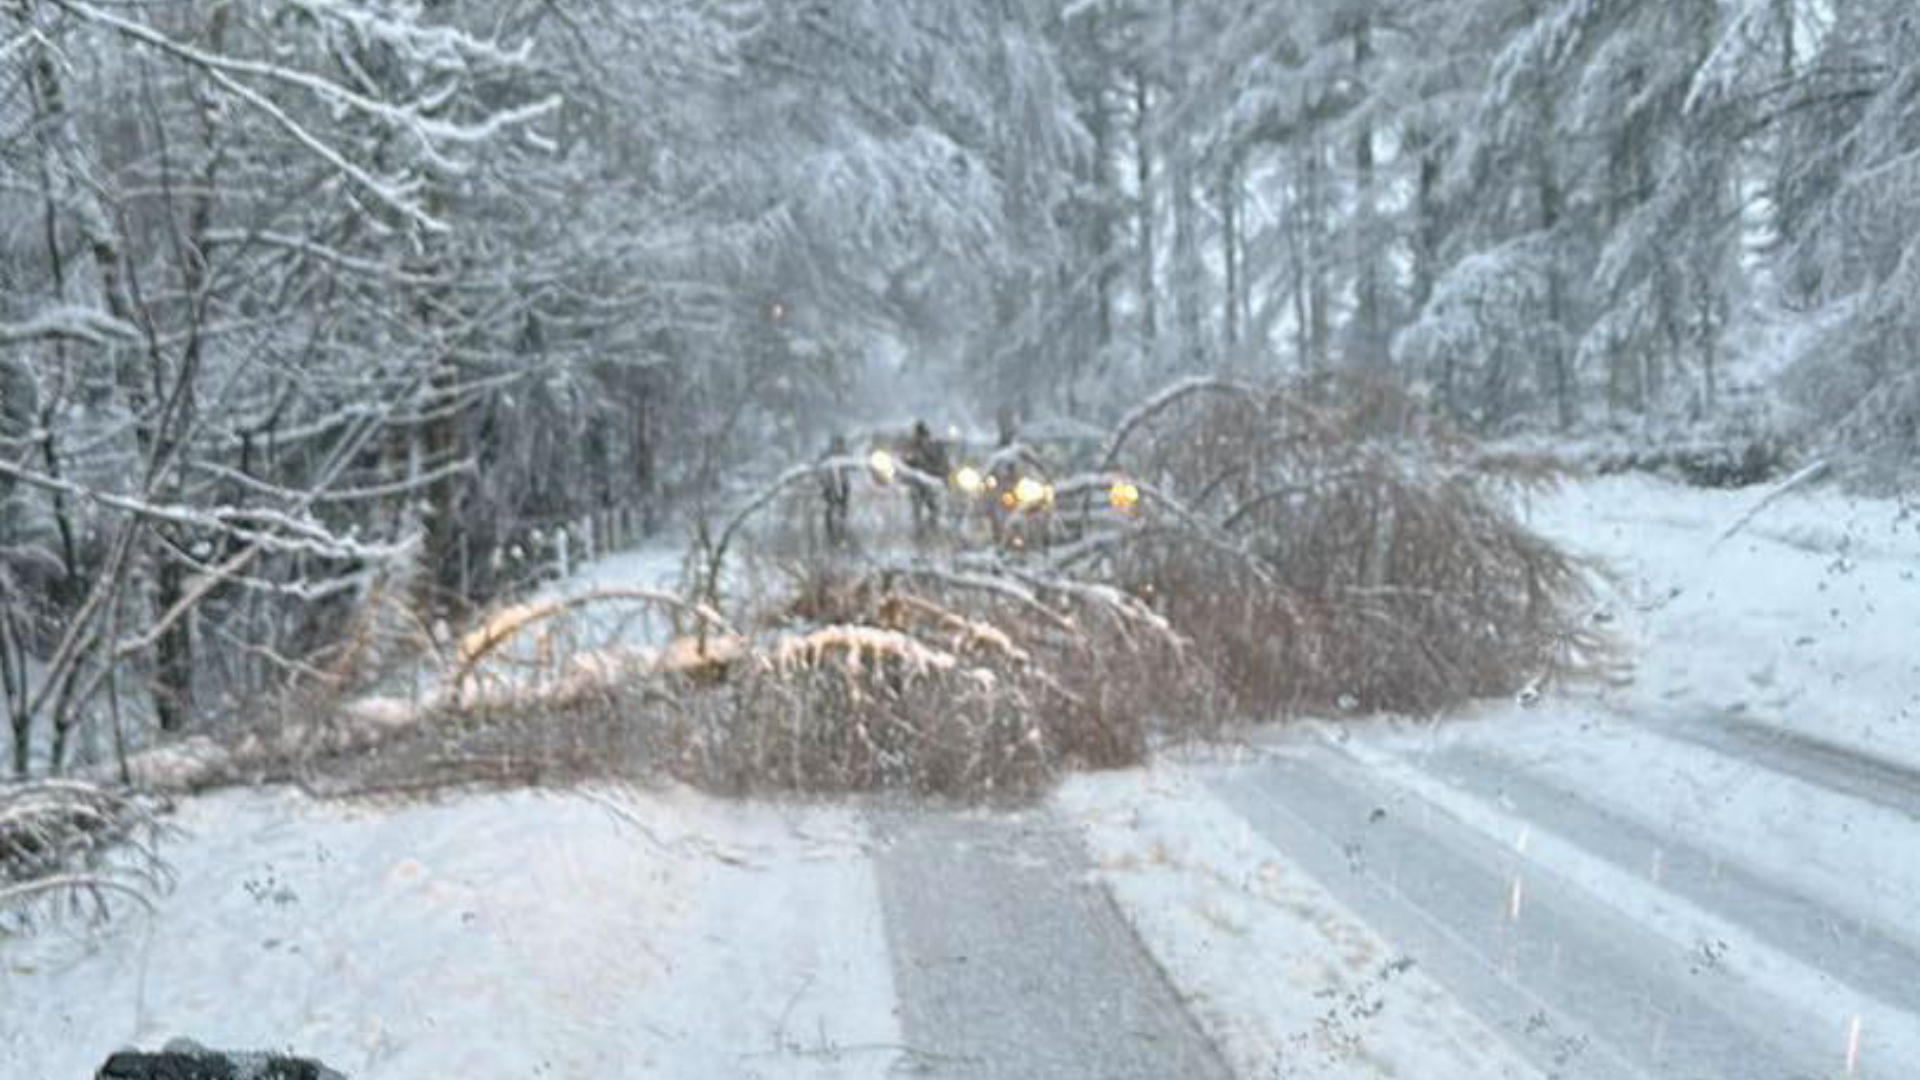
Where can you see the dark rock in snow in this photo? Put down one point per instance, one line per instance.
(186, 1060)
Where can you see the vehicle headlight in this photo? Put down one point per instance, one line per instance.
(1030, 493)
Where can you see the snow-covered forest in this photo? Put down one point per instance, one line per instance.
(1280, 539)
(310, 299)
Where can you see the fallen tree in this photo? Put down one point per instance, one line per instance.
(1335, 548)
(1321, 547)
(985, 681)
(1313, 547)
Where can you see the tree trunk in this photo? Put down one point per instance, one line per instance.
(13, 684)
(1426, 217)
(1143, 182)
(173, 651)
(1781, 151)
(1188, 272)
(1315, 272)
(1229, 199)
(49, 443)
(438, 444)
(1366, 248)
(145, 393)
(1100, 123)
(1558, 363)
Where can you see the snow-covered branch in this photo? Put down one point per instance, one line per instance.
(429, 132)
(70, 323)
(273, 530)
(1160, 402)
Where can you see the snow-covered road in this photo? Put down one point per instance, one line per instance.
(1009, 961)
(1565, 895)
(1570, 896)
(1599, 927)
(1709, 873)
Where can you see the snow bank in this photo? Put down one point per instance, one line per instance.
(1807, 617)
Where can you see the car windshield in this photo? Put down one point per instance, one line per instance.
(1261, 539)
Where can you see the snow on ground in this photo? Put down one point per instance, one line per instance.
(515, 935)
(1285, 979)
(665, 933)
(1638, 894)
(539, 643)
(653, 566)
(1851, 854)
(780, 968)
(1807, 618)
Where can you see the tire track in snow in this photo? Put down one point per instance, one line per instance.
(1009, 962)
(1580, 987)
(1849, 949)
(1289, 982)
(1843, 770)
(1811, 1022)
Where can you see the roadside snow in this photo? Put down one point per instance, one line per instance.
(542, 646)
(780, 967)
(654, 566)
(524, 935)
(1807, 618)
(1798, 609)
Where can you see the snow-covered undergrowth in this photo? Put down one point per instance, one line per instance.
(548, 667)
(1806, 617)
(68, 847)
